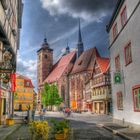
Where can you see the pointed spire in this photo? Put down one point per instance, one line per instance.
(45, 38)
(79, 36)
(80, 45)
(67, 48)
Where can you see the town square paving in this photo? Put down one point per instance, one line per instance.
(83, 127)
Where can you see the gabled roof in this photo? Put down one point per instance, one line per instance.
(19, 76)
(60, 67)
(103, 64)
(83, 63)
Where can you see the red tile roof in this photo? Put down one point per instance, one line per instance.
(83, 63)
(103, 64)
(26, 79)
(60, 67)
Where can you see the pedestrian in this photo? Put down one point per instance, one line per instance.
(33, 114)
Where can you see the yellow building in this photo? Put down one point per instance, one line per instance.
(23, 98)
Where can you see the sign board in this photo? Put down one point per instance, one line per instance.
(117, 78)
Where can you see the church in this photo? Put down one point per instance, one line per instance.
(69, 73)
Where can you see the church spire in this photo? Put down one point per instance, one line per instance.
(67, 48)
(80, 45)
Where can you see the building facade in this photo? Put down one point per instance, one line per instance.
(24, 94)
(10, 24)
(101, 87)
(124, 32)
(82, 70)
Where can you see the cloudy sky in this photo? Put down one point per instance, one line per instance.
(58, 20)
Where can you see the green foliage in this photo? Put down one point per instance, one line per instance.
(50, 95)
(39, 130)
(59, 126)
(15, 96)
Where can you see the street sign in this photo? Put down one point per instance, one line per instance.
(117, 78)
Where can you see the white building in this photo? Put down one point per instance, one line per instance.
(124, 35)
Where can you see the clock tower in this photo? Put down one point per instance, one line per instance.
(44, 65)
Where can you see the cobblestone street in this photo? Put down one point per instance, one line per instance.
(83, 127)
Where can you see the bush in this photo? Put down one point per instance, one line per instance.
(59, 126)
(39, 130)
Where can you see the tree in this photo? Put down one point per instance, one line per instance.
(50, 95)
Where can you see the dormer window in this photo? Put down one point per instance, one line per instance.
(80, 62)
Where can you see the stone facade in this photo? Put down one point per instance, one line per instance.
(124, 54)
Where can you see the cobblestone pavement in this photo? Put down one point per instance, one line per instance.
(83, 128)
(21, 134)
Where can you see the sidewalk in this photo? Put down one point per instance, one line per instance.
(123, 131)
(5, 131)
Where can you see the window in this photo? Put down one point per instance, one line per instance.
(115, 31)
(136, 99)
(128, 55)
(123, 17)
(117, 63)
(119, 101)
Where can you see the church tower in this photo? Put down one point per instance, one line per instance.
(80, 46)
(44, 66)
(45, 62)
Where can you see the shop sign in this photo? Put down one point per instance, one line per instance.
(117, 78)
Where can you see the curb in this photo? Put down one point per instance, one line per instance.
(116, 132)
(8, 134)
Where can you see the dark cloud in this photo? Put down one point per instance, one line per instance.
(86, 9)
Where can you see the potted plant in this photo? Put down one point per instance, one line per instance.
(60, 129)
(39, 130)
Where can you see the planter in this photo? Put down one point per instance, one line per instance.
(9, 122)
(66, 131)
(60, 137)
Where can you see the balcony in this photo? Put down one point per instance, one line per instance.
(101, 97)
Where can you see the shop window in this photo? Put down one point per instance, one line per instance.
(136, 99)
(119, 101)
(117, 63)
(123, 16)
(127, 54)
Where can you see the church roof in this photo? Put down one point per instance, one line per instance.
(60, 67)
(103, 64)
(83, 63)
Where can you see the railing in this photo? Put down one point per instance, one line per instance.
(100, 97)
